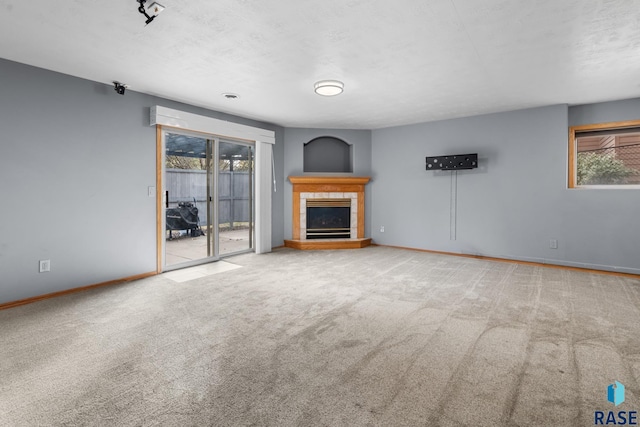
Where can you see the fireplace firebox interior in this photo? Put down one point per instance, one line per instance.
(328, 218)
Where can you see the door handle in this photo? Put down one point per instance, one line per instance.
(166, 199)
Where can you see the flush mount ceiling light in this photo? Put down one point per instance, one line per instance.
(154, 9)
(328, 87)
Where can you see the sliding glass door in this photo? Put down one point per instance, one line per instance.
(235, 197)
(189, 196)
(208, 204)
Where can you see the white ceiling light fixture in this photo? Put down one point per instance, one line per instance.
(328, 87)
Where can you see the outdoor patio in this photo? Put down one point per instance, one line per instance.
(186, 248)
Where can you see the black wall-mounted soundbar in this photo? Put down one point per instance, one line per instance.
(453, 162)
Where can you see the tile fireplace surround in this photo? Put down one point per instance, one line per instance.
(328, 187)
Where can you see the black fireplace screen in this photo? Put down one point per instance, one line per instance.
(328, 222)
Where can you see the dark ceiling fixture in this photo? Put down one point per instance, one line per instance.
(154, 8)
(119, 87)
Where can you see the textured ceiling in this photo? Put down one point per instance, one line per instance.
(402, 62)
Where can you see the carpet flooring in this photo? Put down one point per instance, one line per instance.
(370, 337)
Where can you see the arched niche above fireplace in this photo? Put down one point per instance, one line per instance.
(328, 154)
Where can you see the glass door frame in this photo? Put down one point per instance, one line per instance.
(251, 191)
(213, 203)
(212, 194)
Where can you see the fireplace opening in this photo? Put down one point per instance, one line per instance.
(328, 218)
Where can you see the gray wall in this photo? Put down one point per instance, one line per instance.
(294, 140)
(604, 112)
(514, 203)
(76, 161)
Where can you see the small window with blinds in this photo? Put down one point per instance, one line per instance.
(605, 155)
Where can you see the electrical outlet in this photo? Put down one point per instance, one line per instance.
(553, 244)
(382, 229)
(45, 265)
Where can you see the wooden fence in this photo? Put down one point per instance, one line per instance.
(186, 185)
